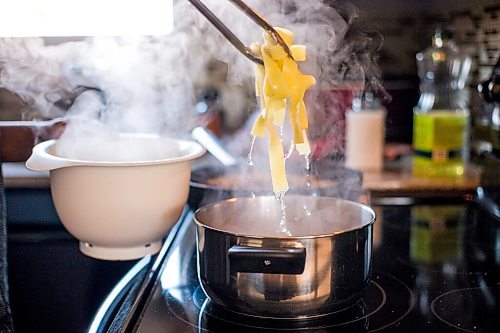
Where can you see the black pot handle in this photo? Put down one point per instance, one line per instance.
(281, 260)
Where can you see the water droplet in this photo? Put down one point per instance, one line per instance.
(307, 210)
(283, 223)
(250, 153)
(290, 151)
(308, 163)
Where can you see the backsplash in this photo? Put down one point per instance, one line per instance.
(407, 27)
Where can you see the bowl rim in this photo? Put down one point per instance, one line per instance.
(195, 150)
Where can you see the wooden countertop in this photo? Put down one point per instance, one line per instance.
(396, 178)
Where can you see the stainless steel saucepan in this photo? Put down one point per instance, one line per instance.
(317, 261)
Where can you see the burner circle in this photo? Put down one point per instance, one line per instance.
(398, 293)
(356, 313)
(386, 301)
(203, 303)
(454, 309)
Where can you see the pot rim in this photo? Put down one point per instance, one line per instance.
(286, 238)
(194, 151)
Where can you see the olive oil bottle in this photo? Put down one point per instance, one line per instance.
(441, 118)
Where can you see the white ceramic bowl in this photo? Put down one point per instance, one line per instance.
(119, 208)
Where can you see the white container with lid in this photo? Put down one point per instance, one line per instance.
(365, 134)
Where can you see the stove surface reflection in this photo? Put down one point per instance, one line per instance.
(436, 268)
(372, 312)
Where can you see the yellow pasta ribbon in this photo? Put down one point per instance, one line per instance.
(281, 86)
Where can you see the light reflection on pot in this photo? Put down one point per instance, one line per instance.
(246, 265)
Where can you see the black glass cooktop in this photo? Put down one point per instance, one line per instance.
(436, 268)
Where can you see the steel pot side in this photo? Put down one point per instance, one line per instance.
(292, 277)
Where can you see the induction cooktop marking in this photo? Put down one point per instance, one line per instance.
(200, 309)
(412, 305)
(198, 291)
(382, 303)
(434, 307)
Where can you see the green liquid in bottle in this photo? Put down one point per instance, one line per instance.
(439, 139)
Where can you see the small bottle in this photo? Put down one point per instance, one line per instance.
(490, 93)
(441, 118)
(365, 134)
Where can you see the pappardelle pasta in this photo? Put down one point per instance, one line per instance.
(281, 86)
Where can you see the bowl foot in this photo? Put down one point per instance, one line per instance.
(119, 253)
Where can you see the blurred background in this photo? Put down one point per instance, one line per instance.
(407, 28)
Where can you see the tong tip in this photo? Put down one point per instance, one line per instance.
(279, 40)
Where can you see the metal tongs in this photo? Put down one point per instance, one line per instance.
(228, 34)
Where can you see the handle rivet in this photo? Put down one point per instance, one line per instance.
(267, 262)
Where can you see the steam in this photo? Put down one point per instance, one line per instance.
(146, 84)
(261, 217)
(33, 71)
(342, 56)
